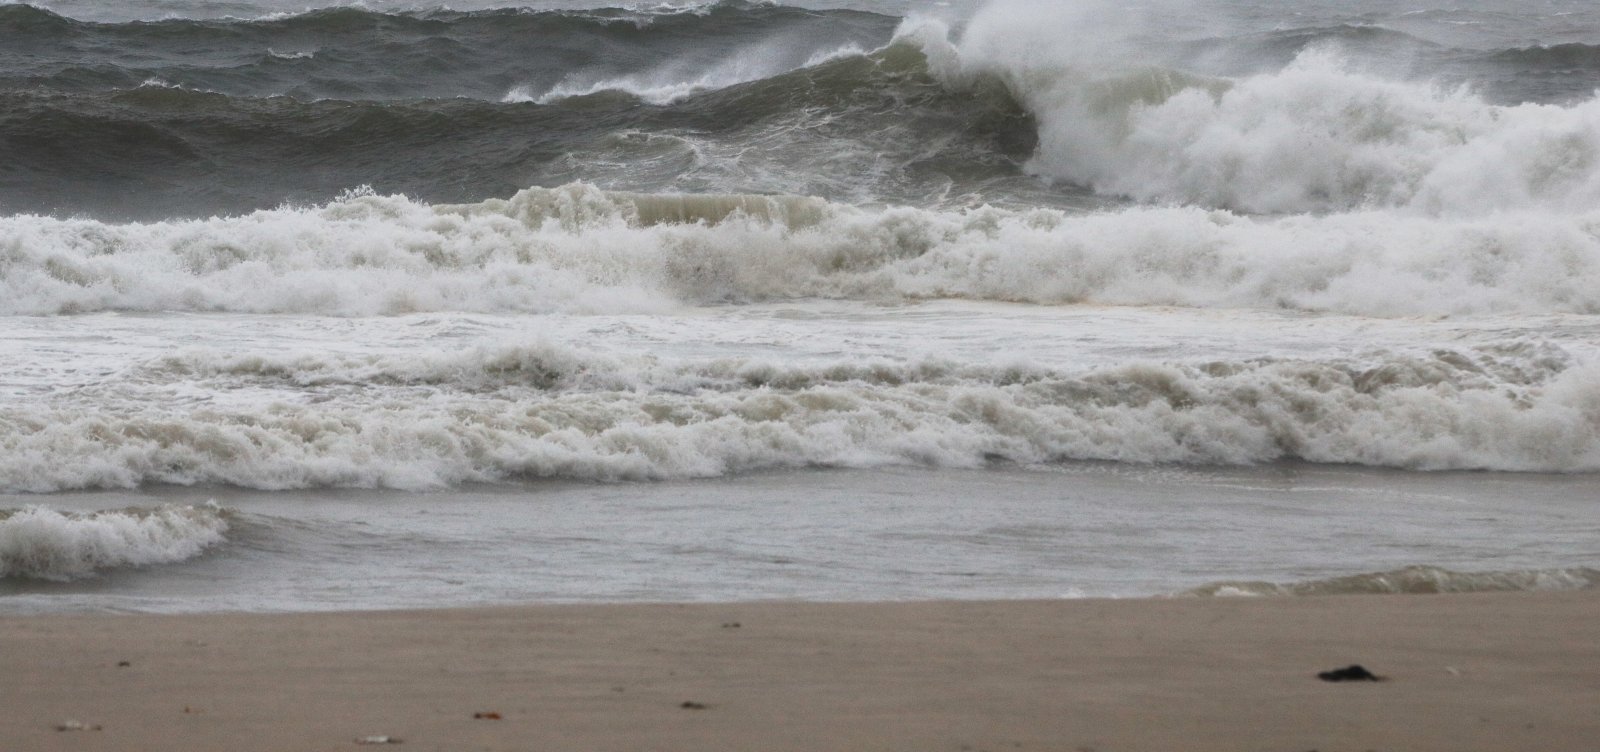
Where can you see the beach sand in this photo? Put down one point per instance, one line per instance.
(1504, 672)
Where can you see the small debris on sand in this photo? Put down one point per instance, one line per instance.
(730, 625)
(70, 725)
(377, 740)
(124, 664)
(1354, 672)
(692, 705)
(487, 715)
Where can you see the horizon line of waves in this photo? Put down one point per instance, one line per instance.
(1505, 411)
(1412, 580)
(355, 54)
(44, 544)
(346, 18)
(576, 248)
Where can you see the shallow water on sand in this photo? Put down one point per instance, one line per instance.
(1063, 531)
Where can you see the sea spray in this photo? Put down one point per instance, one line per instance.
(1316, 136)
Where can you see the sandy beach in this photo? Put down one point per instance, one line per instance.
(1512, 671)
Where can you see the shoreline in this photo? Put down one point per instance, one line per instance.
(1490, 671)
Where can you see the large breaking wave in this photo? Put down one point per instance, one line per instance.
(1319, 135)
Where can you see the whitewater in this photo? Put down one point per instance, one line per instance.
(372, 306)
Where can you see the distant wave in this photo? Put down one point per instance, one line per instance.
(671, 83)
(1271, 50)
(40, 543)
(860, 127)
(1416, 580)
(1572, 56)
(578, 249)
(366, 55)
(548, 411)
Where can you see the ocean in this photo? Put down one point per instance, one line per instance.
(392, 304)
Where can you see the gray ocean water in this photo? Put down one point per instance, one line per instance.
(392, 304)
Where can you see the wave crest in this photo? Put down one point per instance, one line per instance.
(1315, 136)
(39, 543)
(551, 412)
(576, 248)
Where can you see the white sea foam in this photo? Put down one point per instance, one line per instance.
(548, 366)
(549, 412)
(1316, 136)
(1415, 580)
(676, 81)
(545, 365)
(45, 544)
(578, 249)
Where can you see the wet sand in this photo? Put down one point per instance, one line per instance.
(1464, 672)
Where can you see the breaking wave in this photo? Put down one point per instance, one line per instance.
(576, 248)
(870, 109)
(545, 411)
(44, 544)
(1414, 581)
(1316, 136)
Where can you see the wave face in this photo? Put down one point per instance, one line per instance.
(1322, 134)
(227, 116)
(1418, 580)
(39, 543)
(859, 127)
(435, 420)
(582, 250)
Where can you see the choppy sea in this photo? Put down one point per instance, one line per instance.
(391, 304)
